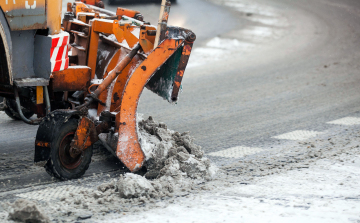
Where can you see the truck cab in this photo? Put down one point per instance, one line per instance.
(32, 46)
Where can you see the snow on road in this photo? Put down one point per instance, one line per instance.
(265, 24)
(326, 192)
(323, 186)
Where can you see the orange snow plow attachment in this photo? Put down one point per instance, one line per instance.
(123, 55)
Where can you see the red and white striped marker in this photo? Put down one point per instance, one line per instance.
(59, 52)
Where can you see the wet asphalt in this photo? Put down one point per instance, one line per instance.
(309, 76)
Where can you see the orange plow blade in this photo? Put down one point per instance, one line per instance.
(128, 147)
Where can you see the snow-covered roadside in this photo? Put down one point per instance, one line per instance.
(313, 180)
(327, 191)
(265, 24)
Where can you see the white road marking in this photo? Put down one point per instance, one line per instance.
(236, 152)
(346, 121)
(298, 135)
(53, 193)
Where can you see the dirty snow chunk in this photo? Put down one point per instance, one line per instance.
(171, 154)
(133, 186)
(194, 168)
(27, 211)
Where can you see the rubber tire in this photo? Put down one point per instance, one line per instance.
(54, 166)
(11, 110)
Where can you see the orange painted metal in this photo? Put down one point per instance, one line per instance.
(126, 12)
(39, 95)
(118, 31)
(114, 73)
(72, 79)
(81, 7)
(69, 7)
(84, 137)
(21, 4)
(184, 59)
(97, 3)
(42, 144)
(146, 41)
(121, 83)
(103, 26)
(90, 2)
(92, 51)
(103, 96)
(128, 148)
(51, 14)
(130, 38)
(54, 8)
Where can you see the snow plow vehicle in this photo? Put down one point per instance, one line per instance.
(83, 78)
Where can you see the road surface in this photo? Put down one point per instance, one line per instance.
(263, 75)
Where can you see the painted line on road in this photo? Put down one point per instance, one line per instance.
(54, 193)
(298, 135)
(236, 152)
(346, 121)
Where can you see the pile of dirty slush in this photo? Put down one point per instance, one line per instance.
(26, 211)
(175, 166)
(173, 162)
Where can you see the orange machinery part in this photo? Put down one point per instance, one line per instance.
(84, 137)
(128, 148)
(91, 2)
(126, 12)
(74, 78)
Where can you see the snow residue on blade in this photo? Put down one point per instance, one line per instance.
(136, 32)
(96, 81)
(92, 113)
(133, 67)
(109, 95)
(112, 37)
(125, 44)
(78, 67)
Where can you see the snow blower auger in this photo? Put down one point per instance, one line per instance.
(123, 54)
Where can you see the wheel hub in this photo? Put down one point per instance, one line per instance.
(68, 161)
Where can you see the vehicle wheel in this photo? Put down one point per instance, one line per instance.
(11, 110)
(61, 165)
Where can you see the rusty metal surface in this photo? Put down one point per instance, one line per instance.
(184, 59)
(72, 79)
(127, 12)
(83, 137)
(116, 71)
(164, 20)
(128, 147)
(25, 14)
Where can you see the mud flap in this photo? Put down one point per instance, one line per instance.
(47, 129)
